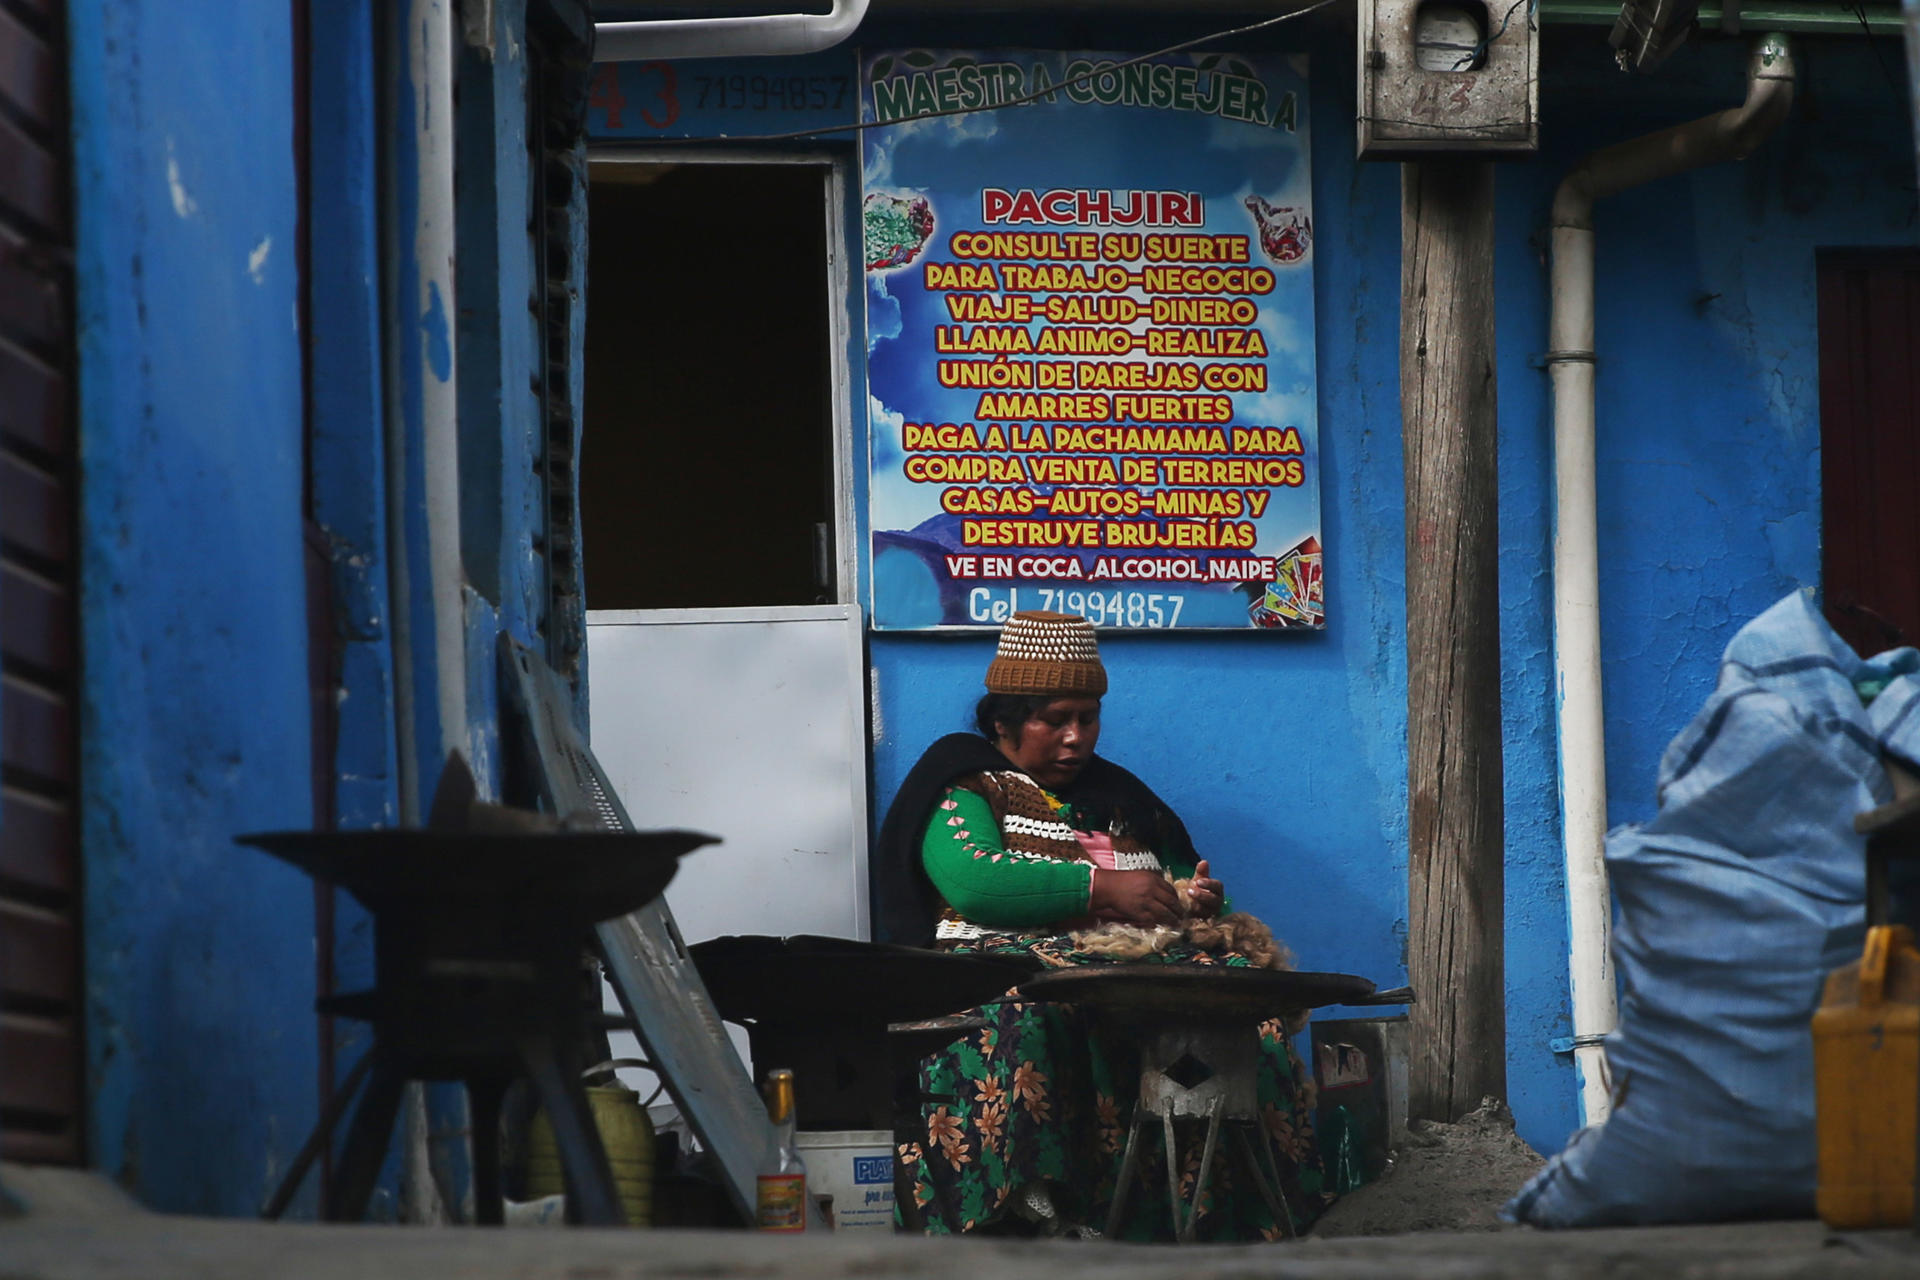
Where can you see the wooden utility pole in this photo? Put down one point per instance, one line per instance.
(1456, 832)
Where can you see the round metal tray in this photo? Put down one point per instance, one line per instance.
(582, 876)
(807, 980)
(1200, 992)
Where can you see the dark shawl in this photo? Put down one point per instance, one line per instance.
(905, 903)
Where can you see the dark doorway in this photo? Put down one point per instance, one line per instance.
(707, 463)
(1870, 444)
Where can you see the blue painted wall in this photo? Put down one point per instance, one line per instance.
(199, 955)
(200, 962)
(1287, 753)
(1708, 425)
(1708, 403)
(504, 525)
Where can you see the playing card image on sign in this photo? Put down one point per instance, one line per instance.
(1090, 339)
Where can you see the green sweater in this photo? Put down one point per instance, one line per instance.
(973, 871)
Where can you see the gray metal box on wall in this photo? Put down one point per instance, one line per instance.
(1440, 76)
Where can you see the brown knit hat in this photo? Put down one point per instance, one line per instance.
(1047, 653)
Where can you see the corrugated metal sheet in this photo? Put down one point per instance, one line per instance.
(40, 1061)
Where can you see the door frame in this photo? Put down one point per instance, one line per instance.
(834, 175)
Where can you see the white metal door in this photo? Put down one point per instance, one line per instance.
(750, 724)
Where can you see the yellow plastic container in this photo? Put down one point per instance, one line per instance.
(1866, 1058)
(625, 1131)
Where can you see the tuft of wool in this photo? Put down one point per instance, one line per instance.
(1234, 932)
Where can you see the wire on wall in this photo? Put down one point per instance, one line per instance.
(1184, 45)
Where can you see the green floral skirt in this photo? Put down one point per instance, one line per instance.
(1044, 1093)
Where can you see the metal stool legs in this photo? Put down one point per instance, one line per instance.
(484, 1100)
(367, 1139)
(591, 1197)
(1250, 1143)
(1186, 1212)
(1245, 1150)
(322, 1134)
(1129, 1164)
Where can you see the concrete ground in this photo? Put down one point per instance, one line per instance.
(76, 1227)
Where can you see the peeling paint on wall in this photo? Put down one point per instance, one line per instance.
(438, 340)
(199, 955)
(183, 204)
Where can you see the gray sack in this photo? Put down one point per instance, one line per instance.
(1731, 907)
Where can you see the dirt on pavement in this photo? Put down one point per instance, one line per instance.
(1444, 1177)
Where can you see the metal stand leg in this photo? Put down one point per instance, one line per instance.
(1248, 1145)
(367, 1142)
(1173, 1166)
(1129, 1166)
(583, 1160)
(317, 1140)
(484, 1098)
(1184, 1232)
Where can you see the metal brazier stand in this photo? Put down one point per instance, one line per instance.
(479, 931)
(1198, 1029)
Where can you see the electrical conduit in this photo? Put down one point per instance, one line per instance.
(760, 35)
(1725, 135)
(427, 397)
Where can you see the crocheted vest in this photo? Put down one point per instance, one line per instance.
(1034, 824)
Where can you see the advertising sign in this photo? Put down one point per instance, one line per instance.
(1090, 339)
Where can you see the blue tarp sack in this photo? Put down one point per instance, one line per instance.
(1731, 906)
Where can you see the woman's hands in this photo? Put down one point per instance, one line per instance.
(1148, 897)
(1134, 897)
(1206, 894)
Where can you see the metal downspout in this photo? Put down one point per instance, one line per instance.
(767, 34)
(424, 398)
(1725, 135)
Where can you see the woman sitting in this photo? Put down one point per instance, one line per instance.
(1008, 842)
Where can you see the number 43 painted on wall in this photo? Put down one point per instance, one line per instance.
(658, 101)
(721, 98)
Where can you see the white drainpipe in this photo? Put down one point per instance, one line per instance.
(1725, 135)
(429, 51)
(430, 37)
(768, 34)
